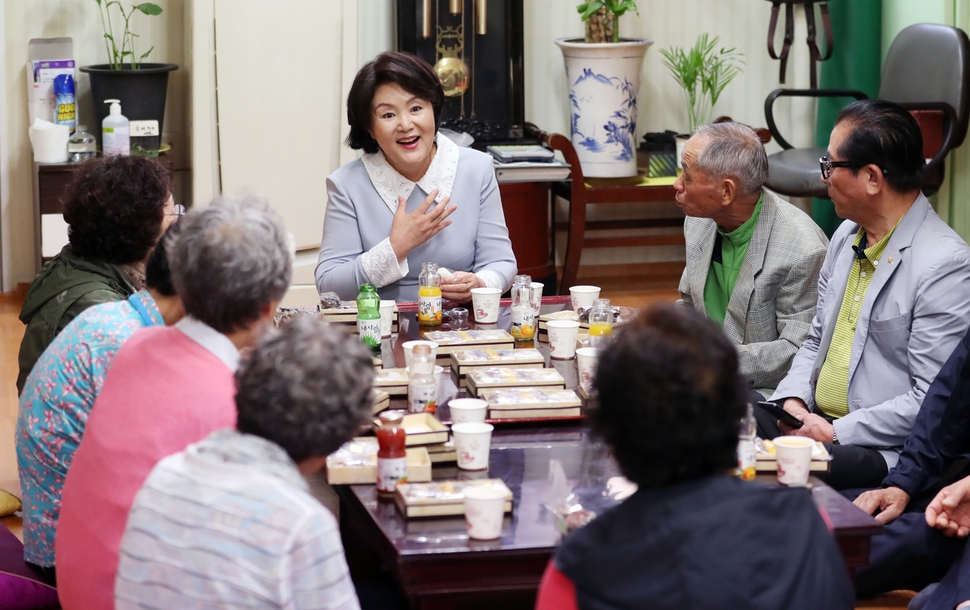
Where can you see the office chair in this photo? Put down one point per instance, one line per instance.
(927, 71)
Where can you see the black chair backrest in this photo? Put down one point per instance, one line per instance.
(930, 63)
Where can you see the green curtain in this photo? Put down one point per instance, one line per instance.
(856, 63)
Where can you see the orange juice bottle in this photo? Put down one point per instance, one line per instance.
(600, 322)
(429, 295)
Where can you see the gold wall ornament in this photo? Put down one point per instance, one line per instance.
(481, 19)
(451, 69)
(454, 6)
(426, 19)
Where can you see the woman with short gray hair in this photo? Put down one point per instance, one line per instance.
(230, 262)
(248, 528)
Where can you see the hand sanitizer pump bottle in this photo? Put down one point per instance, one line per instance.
(114, 131)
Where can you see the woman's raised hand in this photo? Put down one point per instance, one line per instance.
(409, 231)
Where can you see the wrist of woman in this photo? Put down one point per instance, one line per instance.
(399, 250)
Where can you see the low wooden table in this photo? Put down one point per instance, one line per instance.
(438, 566)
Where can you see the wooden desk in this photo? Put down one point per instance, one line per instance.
(581, 192)
(439, 567)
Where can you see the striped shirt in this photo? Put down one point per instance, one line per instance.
(832, 389)
(229, 522)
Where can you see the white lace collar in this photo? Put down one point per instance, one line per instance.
(390, 184)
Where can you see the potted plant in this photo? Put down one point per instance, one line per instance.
(703, 71)
(141, 87)
(603, 71)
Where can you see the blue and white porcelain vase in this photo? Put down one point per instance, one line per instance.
(603, 82)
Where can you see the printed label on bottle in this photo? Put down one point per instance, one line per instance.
(429, 310)
(523, 322)
(369, 331)
(390, 472)
(746, 459)
(421, 398)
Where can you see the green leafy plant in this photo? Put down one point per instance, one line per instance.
(703, 71)
(601, 18)
(116, 56)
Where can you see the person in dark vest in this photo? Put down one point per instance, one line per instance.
(116, 208)
(692, 536)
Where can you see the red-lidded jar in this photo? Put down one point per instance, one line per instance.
(392, 458)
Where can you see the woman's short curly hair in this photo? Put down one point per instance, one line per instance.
(412, 73)
(114, 208)
(670, 397)
(306, 387)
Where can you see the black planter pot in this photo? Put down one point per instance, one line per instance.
(142, 92)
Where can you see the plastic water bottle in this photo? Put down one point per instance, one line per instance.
(523, 311)
(82, 145)
(422, 390)
(429, 295)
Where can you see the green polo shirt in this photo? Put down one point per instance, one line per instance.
(832, 389)
(723, 273)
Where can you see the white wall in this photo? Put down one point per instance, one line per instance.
(78, 19)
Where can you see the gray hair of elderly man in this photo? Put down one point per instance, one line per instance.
(733, 151)
(306, 387)
(230, 261)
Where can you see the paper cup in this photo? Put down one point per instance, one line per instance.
(586, 358)
(562, 338)
(49, 142)
(387, 318)
(468, 410)
(583, 296)
(794, 457)
(484, 511)
(537, 296)
(472, 444)
(485, 304)
(409, 345)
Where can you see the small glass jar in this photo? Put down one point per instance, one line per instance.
(600, 323)
(523, 311)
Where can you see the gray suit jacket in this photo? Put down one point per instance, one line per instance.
(357, 220)
(915, 312)
(773, 302)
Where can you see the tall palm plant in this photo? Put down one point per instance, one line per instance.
(703, 71)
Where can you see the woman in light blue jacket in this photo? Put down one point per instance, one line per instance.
(413, 197)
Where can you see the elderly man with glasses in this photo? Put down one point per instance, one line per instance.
(752, 259)
(893, 300)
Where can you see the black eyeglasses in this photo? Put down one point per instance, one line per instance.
(828, 165)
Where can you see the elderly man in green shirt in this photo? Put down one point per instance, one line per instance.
(753, 259)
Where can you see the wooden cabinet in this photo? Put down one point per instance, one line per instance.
(528, 215)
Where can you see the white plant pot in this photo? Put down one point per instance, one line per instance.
(603, 82)
(681, 142)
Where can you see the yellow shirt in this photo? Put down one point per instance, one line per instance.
(832, 389)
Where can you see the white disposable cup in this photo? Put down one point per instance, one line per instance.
(409, 345)
(562, 338)
(472, 443)
(49, 143)
(468, 410)
(484, 511)
(794, 457)
(485, 304)
(583, 296)
(586, 358)
(537, 296)
(387, 318)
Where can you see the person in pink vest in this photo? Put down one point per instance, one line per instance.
(169, 387)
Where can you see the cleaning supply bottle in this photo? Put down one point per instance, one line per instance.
(65, 109)
(114, 131)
